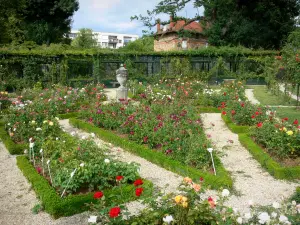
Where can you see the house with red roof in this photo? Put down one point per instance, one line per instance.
(179, 35)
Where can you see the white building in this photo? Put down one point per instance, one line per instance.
(109, 40)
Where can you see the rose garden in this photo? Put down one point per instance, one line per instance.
(192, 144)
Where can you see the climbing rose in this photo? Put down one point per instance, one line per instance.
(98, 195)
(114, 212)
(138, 191)
(138, 182)
(119, 178)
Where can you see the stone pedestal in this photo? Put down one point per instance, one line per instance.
(122, 93)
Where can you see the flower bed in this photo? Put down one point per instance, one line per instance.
(72, 204)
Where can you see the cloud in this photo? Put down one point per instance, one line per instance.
(114, 15)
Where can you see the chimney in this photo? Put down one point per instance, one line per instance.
(171, 22)
(158, 26)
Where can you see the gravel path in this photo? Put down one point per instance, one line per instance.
(251, 181)
(249, 94)
(17, 198)
(281, 88)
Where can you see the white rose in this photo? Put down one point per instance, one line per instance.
(274, 214)
(225, 193)
(81, 165)
(239, 220)
(283, 219)
(168, 219)
(248, 216)
(276, 205)
(210, 149)
(38, 129)
(106, 160)
(263, 218)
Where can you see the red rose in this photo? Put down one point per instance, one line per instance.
(119, 178)
(253, 116)
(232, 112)
(98, 195)
(256, 113)
(145, 139)
(259, 124)
(223, 113)
(39, 170)
(285, 119)
(224, 93)
(114, 212)
(242, 104)
(138, 191)
(296, 122)
(201, 179)
(138, 182)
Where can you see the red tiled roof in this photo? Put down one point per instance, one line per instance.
(180, 24)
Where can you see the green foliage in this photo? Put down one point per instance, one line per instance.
(85, 39)
(222, 178)
(144, 44)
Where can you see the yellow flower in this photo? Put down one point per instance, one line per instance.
(290, 132)
(178, 198)
(184, 199)
(51, 123)
(45, 121)
(33, 122)
(185, 204)
(284, 129)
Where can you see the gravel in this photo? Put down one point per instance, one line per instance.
(250, 96)
(251, 181)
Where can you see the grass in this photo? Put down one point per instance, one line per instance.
(268, 98)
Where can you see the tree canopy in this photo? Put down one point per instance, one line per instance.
(252, 23)
(144, 44)
(85, 39)
(41, 21)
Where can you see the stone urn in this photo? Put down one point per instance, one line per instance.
(122, 76)
(122, 91)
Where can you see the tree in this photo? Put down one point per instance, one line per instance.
(41, 21)
(252, 23)
(85, 39)
(144, 44)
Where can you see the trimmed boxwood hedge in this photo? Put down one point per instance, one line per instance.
(222, 179)
(72, 204)
(274, 168)
(13, 148)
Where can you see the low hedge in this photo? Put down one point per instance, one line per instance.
(72, 204)
(208, 110)
(222, 179)
(13, 148)
(68, 115)
(233, 127)
(274, 168)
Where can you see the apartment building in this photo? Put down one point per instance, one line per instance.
(109, 40)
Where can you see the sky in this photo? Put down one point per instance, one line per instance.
(114, 15)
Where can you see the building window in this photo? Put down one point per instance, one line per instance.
(105, 44)
(120, 41)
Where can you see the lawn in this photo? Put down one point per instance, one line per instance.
(266, 97)
(291, 113)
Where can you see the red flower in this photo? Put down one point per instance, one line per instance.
(296, 122)
(224, 93)
(139, 191)
(259, 124)
(232, 112)
(253, 116)
(39, 170)
(223, 113)
(242, 104)
(98, 195)
(138, 182)
(256, 113)
(145, 139)
(119, 178)
(285, 119)
(114, 212)
(201, 179)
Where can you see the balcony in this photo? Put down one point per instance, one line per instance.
(113, 40)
